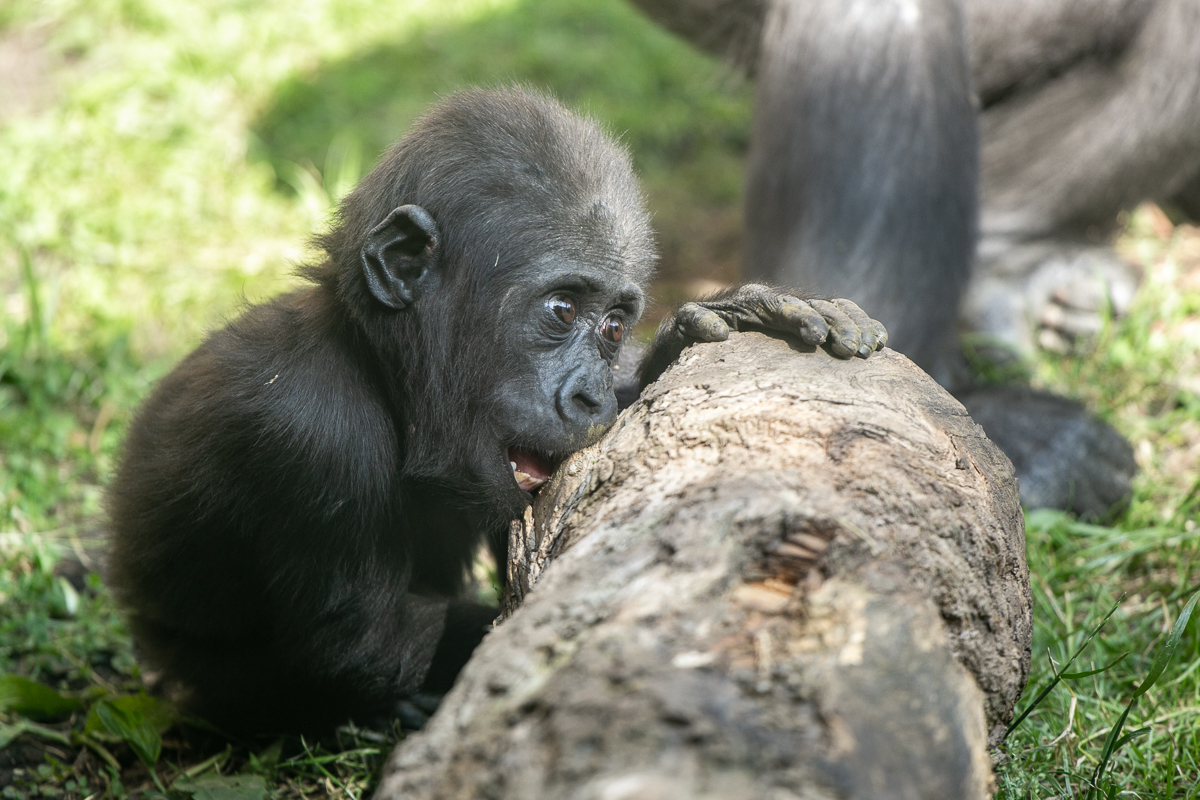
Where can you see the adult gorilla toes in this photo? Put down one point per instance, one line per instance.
(1063, 456)
(1048, 292)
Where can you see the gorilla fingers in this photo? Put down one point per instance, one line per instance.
(838, 323)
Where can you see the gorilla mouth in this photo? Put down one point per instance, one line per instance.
(529, 469)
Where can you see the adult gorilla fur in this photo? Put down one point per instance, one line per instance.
(896, 141)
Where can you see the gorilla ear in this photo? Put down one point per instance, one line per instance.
(399, 254)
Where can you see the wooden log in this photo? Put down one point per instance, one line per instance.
(780, 575)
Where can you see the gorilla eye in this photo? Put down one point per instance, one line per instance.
(612, 329)
(563, 308)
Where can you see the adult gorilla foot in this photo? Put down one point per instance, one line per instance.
(1064, 457)
(1046, 292)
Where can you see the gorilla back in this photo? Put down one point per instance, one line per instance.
(299, 500)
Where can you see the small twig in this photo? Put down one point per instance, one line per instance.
(108, 410)
(204, 765)
(1070, 722)
(80, 553)
(100, 750)
(87, 671)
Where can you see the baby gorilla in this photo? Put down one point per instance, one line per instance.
(299, 501)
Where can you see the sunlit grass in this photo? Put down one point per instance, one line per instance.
(190, 150)
(1141, 375)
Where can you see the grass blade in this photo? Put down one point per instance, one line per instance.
(1168, 650)
(1071, 676)
(1058, 675)
(1115, 741)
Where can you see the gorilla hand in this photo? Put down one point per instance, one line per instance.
(840, 323)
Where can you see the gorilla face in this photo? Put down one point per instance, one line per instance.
(568, 321)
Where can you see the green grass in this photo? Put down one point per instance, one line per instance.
(172, 162)
(1141, 375)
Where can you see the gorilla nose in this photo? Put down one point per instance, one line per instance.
(586, 399)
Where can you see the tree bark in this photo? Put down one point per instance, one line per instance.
(780, 575)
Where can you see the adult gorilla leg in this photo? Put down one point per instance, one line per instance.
(862, 182)
(1099, 138)
(1066, 156)
(1018, 44)
(862, 174)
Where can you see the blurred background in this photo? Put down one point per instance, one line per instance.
(164, 162)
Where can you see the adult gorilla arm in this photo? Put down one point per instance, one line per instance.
(861, 181)
(864, 165)
(1101, 136)
(1087, 107)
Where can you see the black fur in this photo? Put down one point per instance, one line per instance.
(889, 134)
(298, 502)
(879, 124)
(861, 181)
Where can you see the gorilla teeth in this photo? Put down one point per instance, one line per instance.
(526, 481)
(530, 470)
